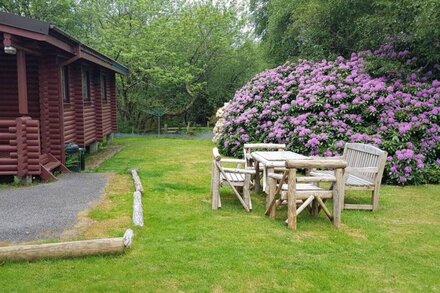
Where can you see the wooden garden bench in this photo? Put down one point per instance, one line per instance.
(303, 192)
(238, 179)
(365, 166)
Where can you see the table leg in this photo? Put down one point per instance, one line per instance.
(257, 177)
(266, 172)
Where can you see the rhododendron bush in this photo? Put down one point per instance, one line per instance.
(316, 107)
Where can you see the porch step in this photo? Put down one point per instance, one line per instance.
(48, 164)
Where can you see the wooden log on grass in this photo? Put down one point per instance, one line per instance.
(80, 248)
(137, 181)
(138, 214)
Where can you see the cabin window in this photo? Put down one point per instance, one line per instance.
(86, 84)
(65, 84)
(104, 94)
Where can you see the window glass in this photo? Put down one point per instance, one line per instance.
(104, 94)
(86, 84)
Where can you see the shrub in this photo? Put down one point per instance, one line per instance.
(316, 107)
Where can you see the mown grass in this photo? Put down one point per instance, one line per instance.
(185, 246)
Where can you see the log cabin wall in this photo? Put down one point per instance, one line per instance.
(89, 107)
(107, 107)
(89, 121)
(69, 125)
(9, 86)
(112, 84)
(52, 137)
(98, 103)
(77, 103)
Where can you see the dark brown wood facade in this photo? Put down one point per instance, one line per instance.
(53, 91)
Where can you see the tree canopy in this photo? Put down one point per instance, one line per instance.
(327, 28)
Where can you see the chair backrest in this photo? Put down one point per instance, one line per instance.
(248, 148)
(365, 161)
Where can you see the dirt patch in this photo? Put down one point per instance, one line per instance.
(97, 159)
(87, 228)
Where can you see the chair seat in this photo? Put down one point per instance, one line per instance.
(352, 180)
(233, 177)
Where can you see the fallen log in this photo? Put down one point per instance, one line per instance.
(137, 181)
(67, 249)
(138, 214)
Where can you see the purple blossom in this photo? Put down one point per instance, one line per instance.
(317, 107)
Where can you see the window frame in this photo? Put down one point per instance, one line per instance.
(85, 84)
(103, 86)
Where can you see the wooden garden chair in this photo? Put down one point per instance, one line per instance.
(248, 148)
(303, 192)
(365, 166)
(238, 179)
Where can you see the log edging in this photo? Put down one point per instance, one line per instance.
(80, 248)
(138, 215)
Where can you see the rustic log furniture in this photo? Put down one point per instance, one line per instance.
(236, 178)
(364, 171)
(269, 161)
(249, 148)
(304, 191)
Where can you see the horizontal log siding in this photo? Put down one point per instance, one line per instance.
(76, 102)
(69, 111)
(8, 86)
(89, 108)
(98, 103)
(89, 121)
(112, 84)
(107, 115)
(20, 147)
(32, 77)
(50, 110)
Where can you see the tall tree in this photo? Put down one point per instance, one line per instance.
(326, 28)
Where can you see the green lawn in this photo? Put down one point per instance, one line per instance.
(185, 246)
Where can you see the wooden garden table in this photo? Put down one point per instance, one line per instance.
(271, 160)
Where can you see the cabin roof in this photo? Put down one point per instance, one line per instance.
(45, 31)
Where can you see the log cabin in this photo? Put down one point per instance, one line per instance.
(54, 90)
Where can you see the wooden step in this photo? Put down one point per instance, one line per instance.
(49, 163)
(52, 165)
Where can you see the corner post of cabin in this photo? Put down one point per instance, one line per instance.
(22, 83)
(22, 172)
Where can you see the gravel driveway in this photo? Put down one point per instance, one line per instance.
(44, 211)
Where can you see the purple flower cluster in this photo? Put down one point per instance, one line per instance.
(315, 107)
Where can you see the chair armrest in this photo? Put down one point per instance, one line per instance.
(240, 171)
(276, 176)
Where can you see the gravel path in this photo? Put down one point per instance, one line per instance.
(46, 210)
